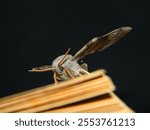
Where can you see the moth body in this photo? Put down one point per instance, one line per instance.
(67, 66)
(72, 66)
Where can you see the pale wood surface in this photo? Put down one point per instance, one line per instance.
(88, 93)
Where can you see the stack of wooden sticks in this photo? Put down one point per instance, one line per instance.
(88, 93)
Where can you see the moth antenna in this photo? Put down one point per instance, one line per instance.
(62, 60)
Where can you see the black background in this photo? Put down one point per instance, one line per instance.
(34, 33)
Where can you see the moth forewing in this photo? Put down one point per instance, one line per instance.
(100, 43)
(43, 68)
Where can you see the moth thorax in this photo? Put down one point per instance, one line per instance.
(59, 59)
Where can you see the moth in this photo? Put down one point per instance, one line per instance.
(67, 66)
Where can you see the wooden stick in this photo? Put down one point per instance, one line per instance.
(82, 94)
(60, 96)
(51, 87)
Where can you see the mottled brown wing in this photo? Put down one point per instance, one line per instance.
(43, 68)
(100, 43)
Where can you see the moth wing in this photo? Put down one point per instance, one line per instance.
(43, 68)
(100, 43)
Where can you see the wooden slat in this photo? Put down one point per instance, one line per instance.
(83, 94)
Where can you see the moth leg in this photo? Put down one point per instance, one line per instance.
(83, 71)
(68, 73)
(84, 66)
(75, 71)
(55, 77)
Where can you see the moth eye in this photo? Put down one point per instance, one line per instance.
(61, 68)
